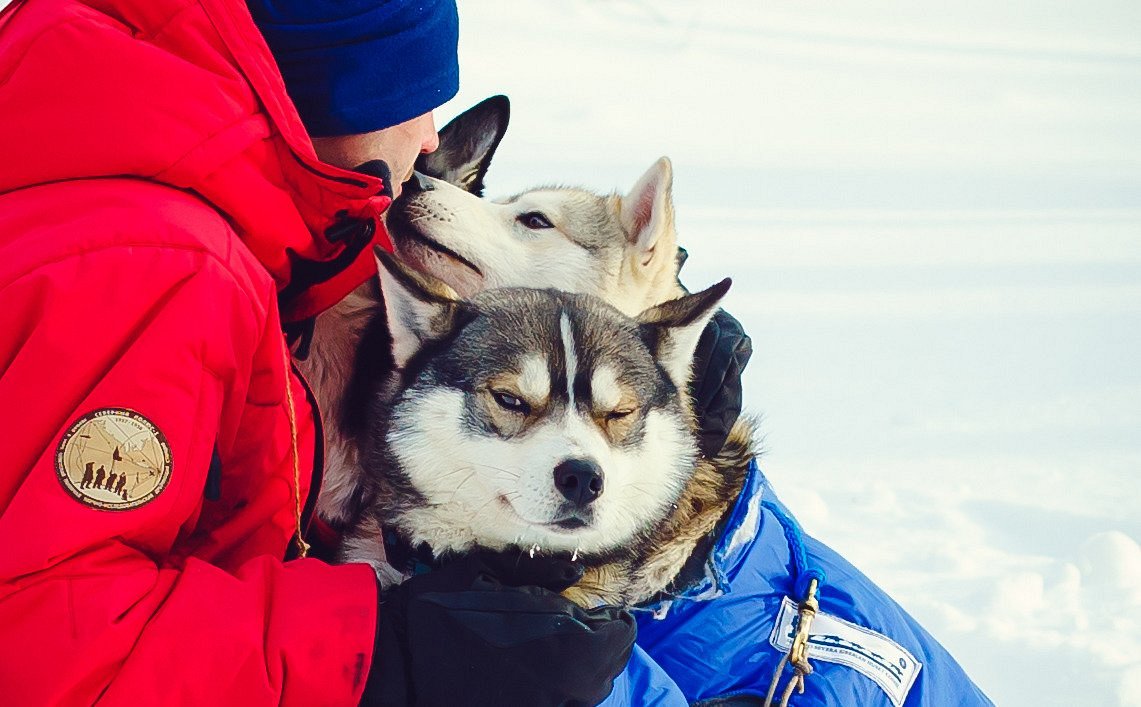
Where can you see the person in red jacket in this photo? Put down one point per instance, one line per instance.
(162, 214)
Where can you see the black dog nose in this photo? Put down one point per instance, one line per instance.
(417, 183)
(580, 480)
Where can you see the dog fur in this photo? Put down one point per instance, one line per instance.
(453, 467)
(619, 247)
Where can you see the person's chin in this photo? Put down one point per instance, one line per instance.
(398, 186)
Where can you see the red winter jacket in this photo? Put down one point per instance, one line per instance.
(157, 192)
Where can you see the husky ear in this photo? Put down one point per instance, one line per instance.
(467, 145)
(672, 329)
(647, 213)
(419, 308)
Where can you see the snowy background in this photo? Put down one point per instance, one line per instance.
(932, 212)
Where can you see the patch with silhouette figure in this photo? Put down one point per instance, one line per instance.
(113, 459)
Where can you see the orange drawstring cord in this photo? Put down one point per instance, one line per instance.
(302, 546)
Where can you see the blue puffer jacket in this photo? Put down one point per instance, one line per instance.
(724, 636)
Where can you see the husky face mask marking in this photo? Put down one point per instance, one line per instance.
(532, 417)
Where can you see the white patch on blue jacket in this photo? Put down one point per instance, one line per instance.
(745, 533)
(834, 640)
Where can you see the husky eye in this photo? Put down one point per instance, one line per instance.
(534, 220)
(507, 401)
(618, 414)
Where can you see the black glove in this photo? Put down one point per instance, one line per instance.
(490, 629)
(722, 354)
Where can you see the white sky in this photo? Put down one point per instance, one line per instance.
(906, 104)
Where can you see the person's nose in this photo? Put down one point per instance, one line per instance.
(431, 139)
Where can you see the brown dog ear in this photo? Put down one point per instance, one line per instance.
(419, 307)
(647, 213)
(672, 329)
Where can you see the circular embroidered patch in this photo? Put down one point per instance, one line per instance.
(113, 459)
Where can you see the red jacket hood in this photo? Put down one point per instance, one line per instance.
(185, 93)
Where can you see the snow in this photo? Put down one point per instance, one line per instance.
(932, 215)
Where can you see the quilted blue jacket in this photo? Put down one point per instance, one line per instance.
(720, 641)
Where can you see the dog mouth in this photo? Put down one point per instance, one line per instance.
(572, 523)
(426, 254)
(419, 238)
(567, 523)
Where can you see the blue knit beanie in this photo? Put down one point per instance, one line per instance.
(354, 66)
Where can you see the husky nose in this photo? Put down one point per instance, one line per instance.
(580, 480)
(417, 183)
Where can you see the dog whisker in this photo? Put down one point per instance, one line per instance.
(454, 472)
(639, 489)
(485, 505)
(510, 474)
(653, 498)
(468, 478)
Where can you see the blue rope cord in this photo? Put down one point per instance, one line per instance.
(794, 536)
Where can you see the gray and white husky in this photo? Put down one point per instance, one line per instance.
(536, 419)
(500, 416)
